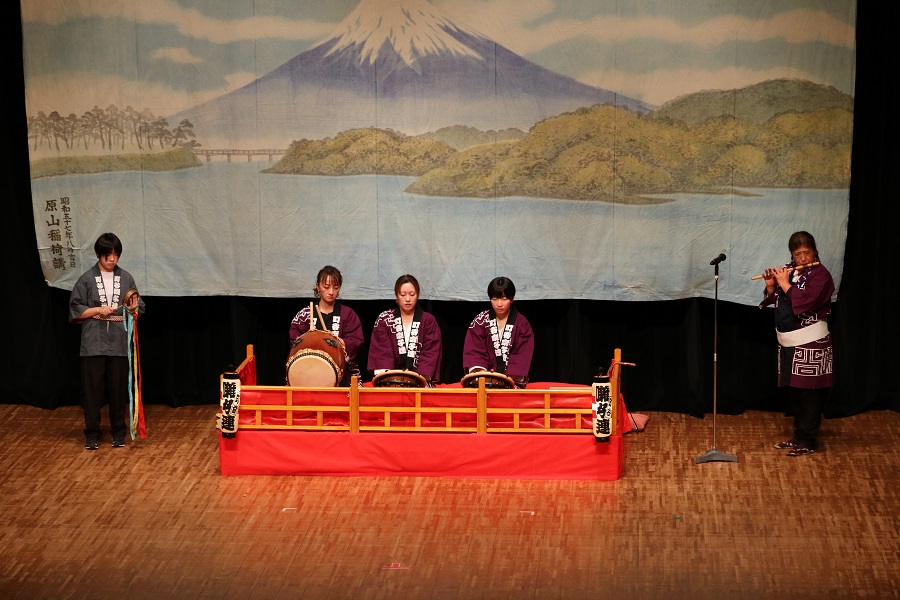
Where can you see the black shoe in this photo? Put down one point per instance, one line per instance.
(91, 442)
(118, 442)
(800, 451)
(788, 445)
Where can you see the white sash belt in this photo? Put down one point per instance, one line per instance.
(804, 335)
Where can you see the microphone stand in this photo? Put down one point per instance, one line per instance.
(713, 455)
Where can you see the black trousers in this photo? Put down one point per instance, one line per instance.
(806, 406)
(104, 379)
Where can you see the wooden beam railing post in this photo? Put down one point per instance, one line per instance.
(354, 404)
(614, 389)
(481, 403)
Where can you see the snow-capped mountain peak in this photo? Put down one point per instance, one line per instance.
(393, 64)
(413, 28)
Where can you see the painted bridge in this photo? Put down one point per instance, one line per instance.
(229, 152)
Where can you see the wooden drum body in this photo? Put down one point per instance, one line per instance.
(317, 359)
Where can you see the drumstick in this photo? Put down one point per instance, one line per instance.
(798, 268)
(321, 318)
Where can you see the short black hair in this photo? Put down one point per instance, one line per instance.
(501, 287)
(106, 244)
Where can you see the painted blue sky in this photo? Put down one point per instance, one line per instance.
(168, 55)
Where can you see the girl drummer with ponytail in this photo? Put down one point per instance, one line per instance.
(330, 314)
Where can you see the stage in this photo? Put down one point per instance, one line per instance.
(545, 431)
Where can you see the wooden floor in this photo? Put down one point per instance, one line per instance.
(156, 520)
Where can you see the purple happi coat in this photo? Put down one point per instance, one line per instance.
(423, 356)
(806, 304)
(516, 342)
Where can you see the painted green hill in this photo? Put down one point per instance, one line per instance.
(363, 152)
(611, 154)
(755, 103)
(168, 160)
(615, 155)
(461, 137)
(601, 153)
(810, 149)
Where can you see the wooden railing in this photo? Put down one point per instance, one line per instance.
(292, 402)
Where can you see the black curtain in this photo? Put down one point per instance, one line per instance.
(187, 342)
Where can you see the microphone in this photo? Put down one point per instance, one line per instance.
(717, 259)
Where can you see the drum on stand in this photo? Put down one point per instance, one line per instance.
(492, 380)
(399, 378)
(317, 359)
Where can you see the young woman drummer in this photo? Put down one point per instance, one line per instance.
(330, 314)
(500, 339)
(406, 337)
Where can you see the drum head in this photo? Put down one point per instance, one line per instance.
(492, 380)
(312, 370)
(317, 359)
(399, 378)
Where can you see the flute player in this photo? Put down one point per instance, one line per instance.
(801, 293)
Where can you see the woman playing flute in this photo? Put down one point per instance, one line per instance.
(801, 294)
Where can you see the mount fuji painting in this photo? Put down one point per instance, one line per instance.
(571, 146)
(394, 64)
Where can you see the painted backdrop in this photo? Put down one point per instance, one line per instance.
(586, 149)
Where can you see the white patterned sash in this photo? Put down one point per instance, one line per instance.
(502, 340)
(804, 335)
(407, 348)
